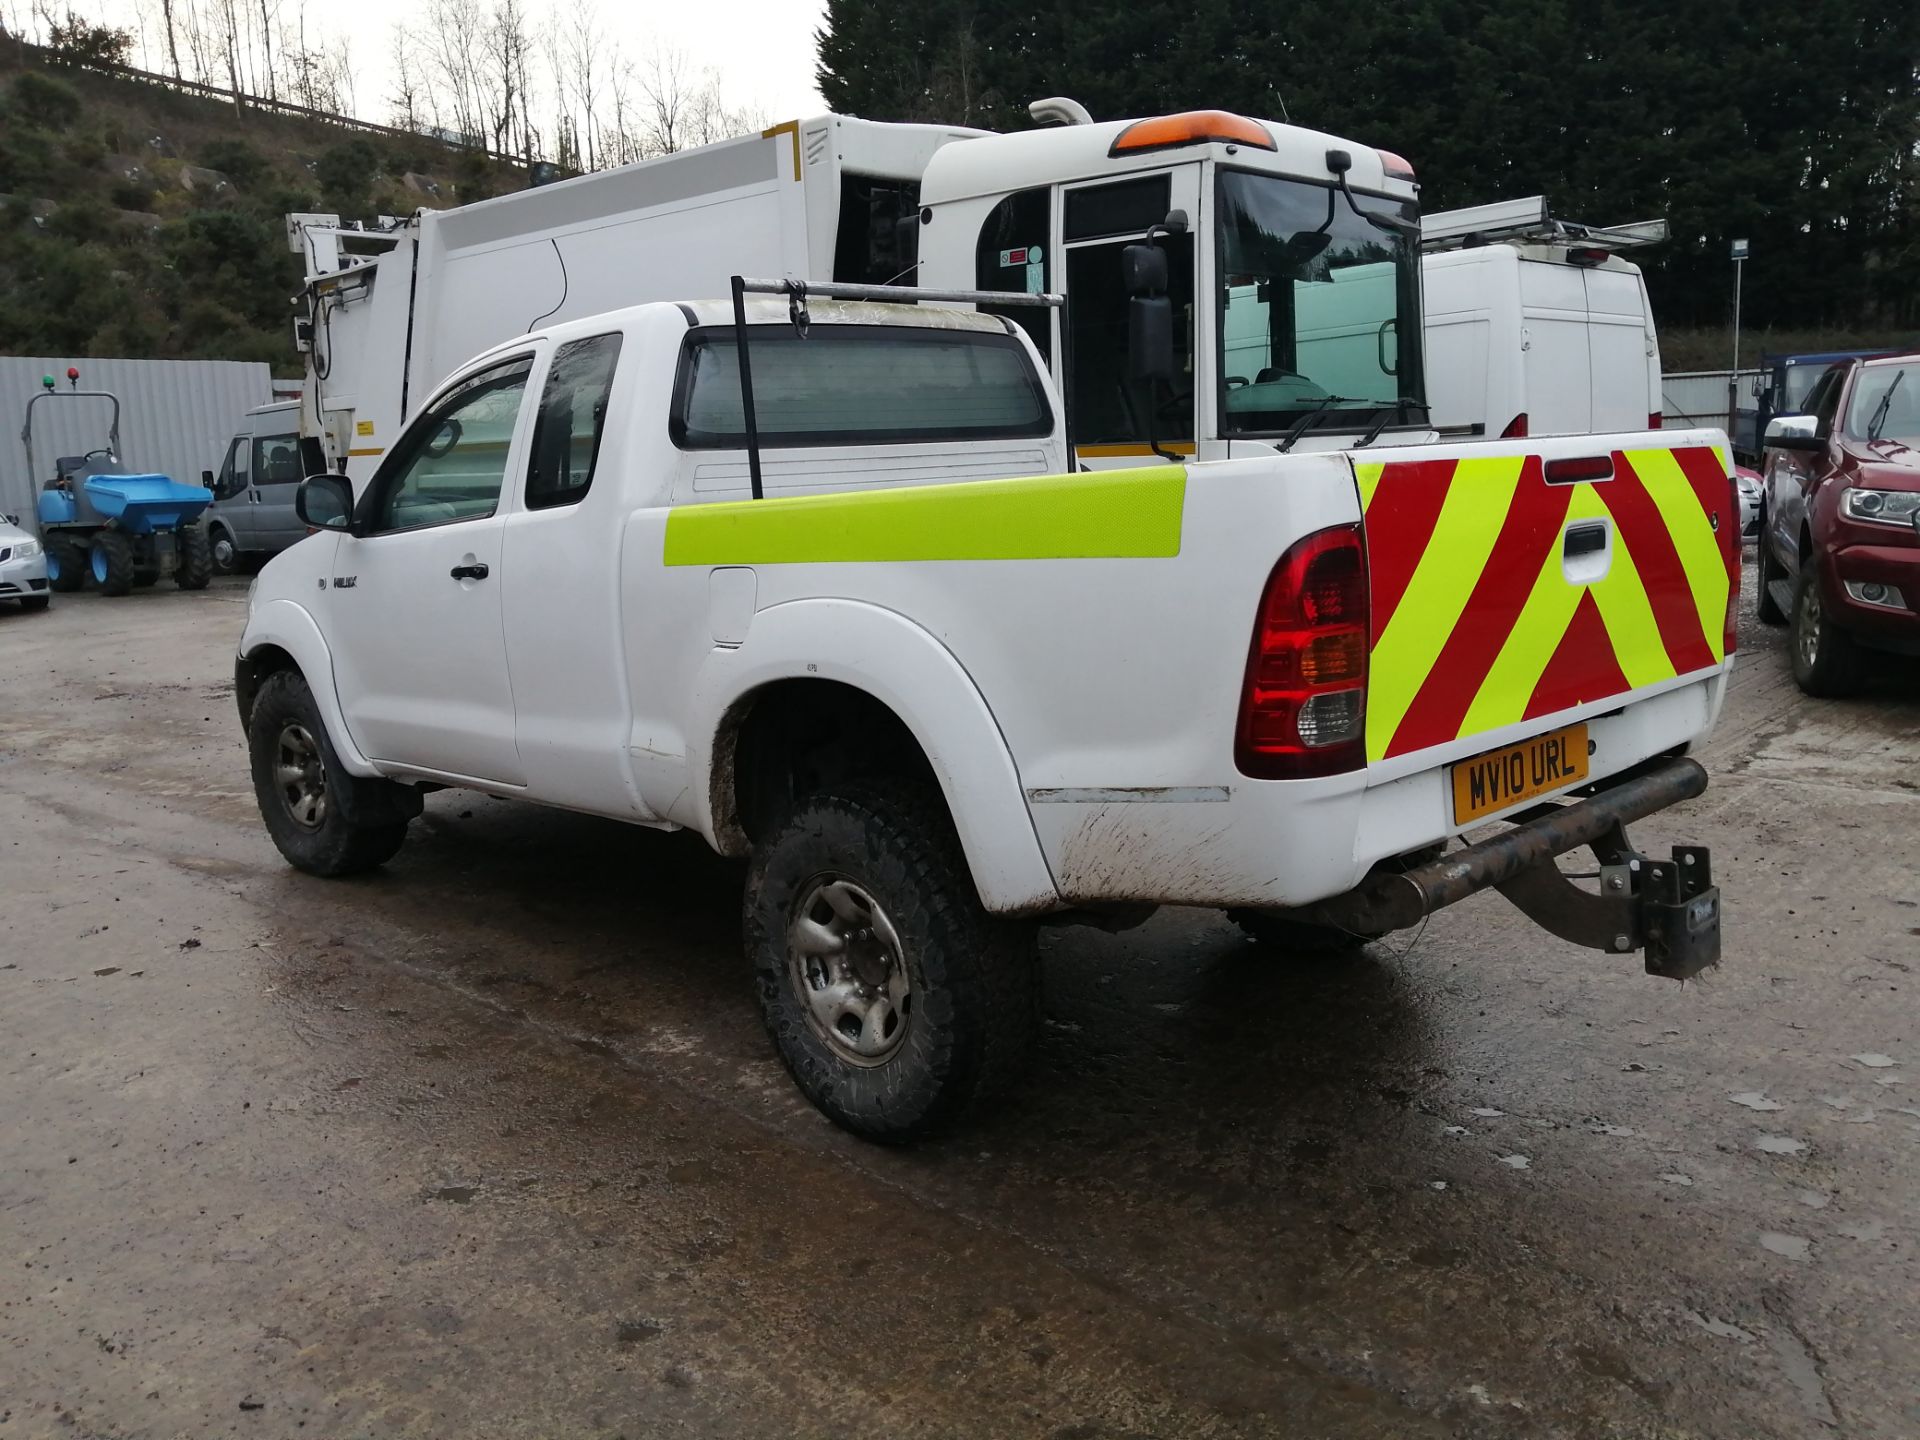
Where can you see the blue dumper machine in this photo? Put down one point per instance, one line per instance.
(100, 520)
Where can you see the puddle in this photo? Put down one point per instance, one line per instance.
(1516, 1162)
(1779, 1145)
(1790, 1247)
(1755, 1100)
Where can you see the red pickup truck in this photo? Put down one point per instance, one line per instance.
(1840, 523)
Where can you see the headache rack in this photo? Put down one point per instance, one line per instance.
(1529, 220)
(797, 292)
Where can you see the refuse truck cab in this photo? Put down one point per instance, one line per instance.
(102, 521)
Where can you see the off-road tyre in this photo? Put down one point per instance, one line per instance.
(192, 558)
(972, 1004)
(32, 603)
(227, 559)
(1297, 937)
(111, 563)
(362, 825)
(67, 566)
(1766, 571)
(1827, 662)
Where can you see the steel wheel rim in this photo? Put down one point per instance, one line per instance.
(849, 971)
(100, 567)
(223, 551)
(1810, 620)
(300, 776)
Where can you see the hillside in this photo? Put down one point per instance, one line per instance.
(137, 220)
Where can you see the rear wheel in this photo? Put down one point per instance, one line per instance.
(192, 559)
(1766, 572)
(66, 566)
(1297, 937)
(112, 562)
(1826, 661)
(894, 998)
(323, 819)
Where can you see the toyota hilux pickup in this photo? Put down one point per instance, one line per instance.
(815, 578)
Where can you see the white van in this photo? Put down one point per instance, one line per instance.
(1536, 326)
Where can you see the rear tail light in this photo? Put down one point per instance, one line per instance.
(1587, 256)
(1516, 428)
(1655, 420)
(1730, 548)
(1303, 710)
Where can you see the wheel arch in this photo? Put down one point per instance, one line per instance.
(281, 635)
(820, 682)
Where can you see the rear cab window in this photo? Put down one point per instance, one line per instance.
(858, 385)
(571, 421)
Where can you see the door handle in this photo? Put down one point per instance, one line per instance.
(469, 572)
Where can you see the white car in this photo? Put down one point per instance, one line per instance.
(23, 567)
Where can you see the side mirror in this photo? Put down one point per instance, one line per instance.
(1794, 432)
(325, 502)
(207, 482)
(1149, 338)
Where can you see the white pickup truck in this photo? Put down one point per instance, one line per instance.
(865, 625)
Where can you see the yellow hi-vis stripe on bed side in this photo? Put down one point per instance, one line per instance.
(1118, 514)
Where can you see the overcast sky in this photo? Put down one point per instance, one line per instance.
(762, 49)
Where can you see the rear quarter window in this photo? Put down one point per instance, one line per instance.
(857, 385)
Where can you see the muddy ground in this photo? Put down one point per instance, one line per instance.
(492, 1143)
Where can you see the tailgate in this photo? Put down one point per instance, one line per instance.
(1517, 581)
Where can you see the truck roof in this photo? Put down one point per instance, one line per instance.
(999, 163)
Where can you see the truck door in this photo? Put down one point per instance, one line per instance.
(235, 494)
(1559, 369)
(1110, 419)
(414, 604)
(1617, 350)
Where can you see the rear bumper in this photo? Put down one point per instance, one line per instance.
(1669, 909)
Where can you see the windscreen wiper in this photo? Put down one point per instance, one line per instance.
(1388, 408)
(1307, 421)
(1886, 404)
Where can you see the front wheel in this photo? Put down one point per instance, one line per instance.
(31, 603)
(1826, 661)
(895, 1000)
(323, 819)
(226, 555)
(112, 562)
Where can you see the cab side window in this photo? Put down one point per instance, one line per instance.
(572, 418)
(276, 460)
(1823, 401)
(452, 462)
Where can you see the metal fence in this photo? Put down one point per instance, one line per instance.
(176, 416)
(1699, 397)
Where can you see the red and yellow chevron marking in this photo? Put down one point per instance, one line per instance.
(1475, 623)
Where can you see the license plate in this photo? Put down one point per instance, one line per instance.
(1500, 778)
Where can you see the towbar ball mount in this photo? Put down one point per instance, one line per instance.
(1668, 908)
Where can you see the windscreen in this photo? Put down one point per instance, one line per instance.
(1886, 404)
(858, 385)
(1320, 303)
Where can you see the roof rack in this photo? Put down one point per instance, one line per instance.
(1529, 220)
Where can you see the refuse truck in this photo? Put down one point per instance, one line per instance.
(1321, 331)
(99, 520)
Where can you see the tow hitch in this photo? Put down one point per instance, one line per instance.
(1668, 908)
